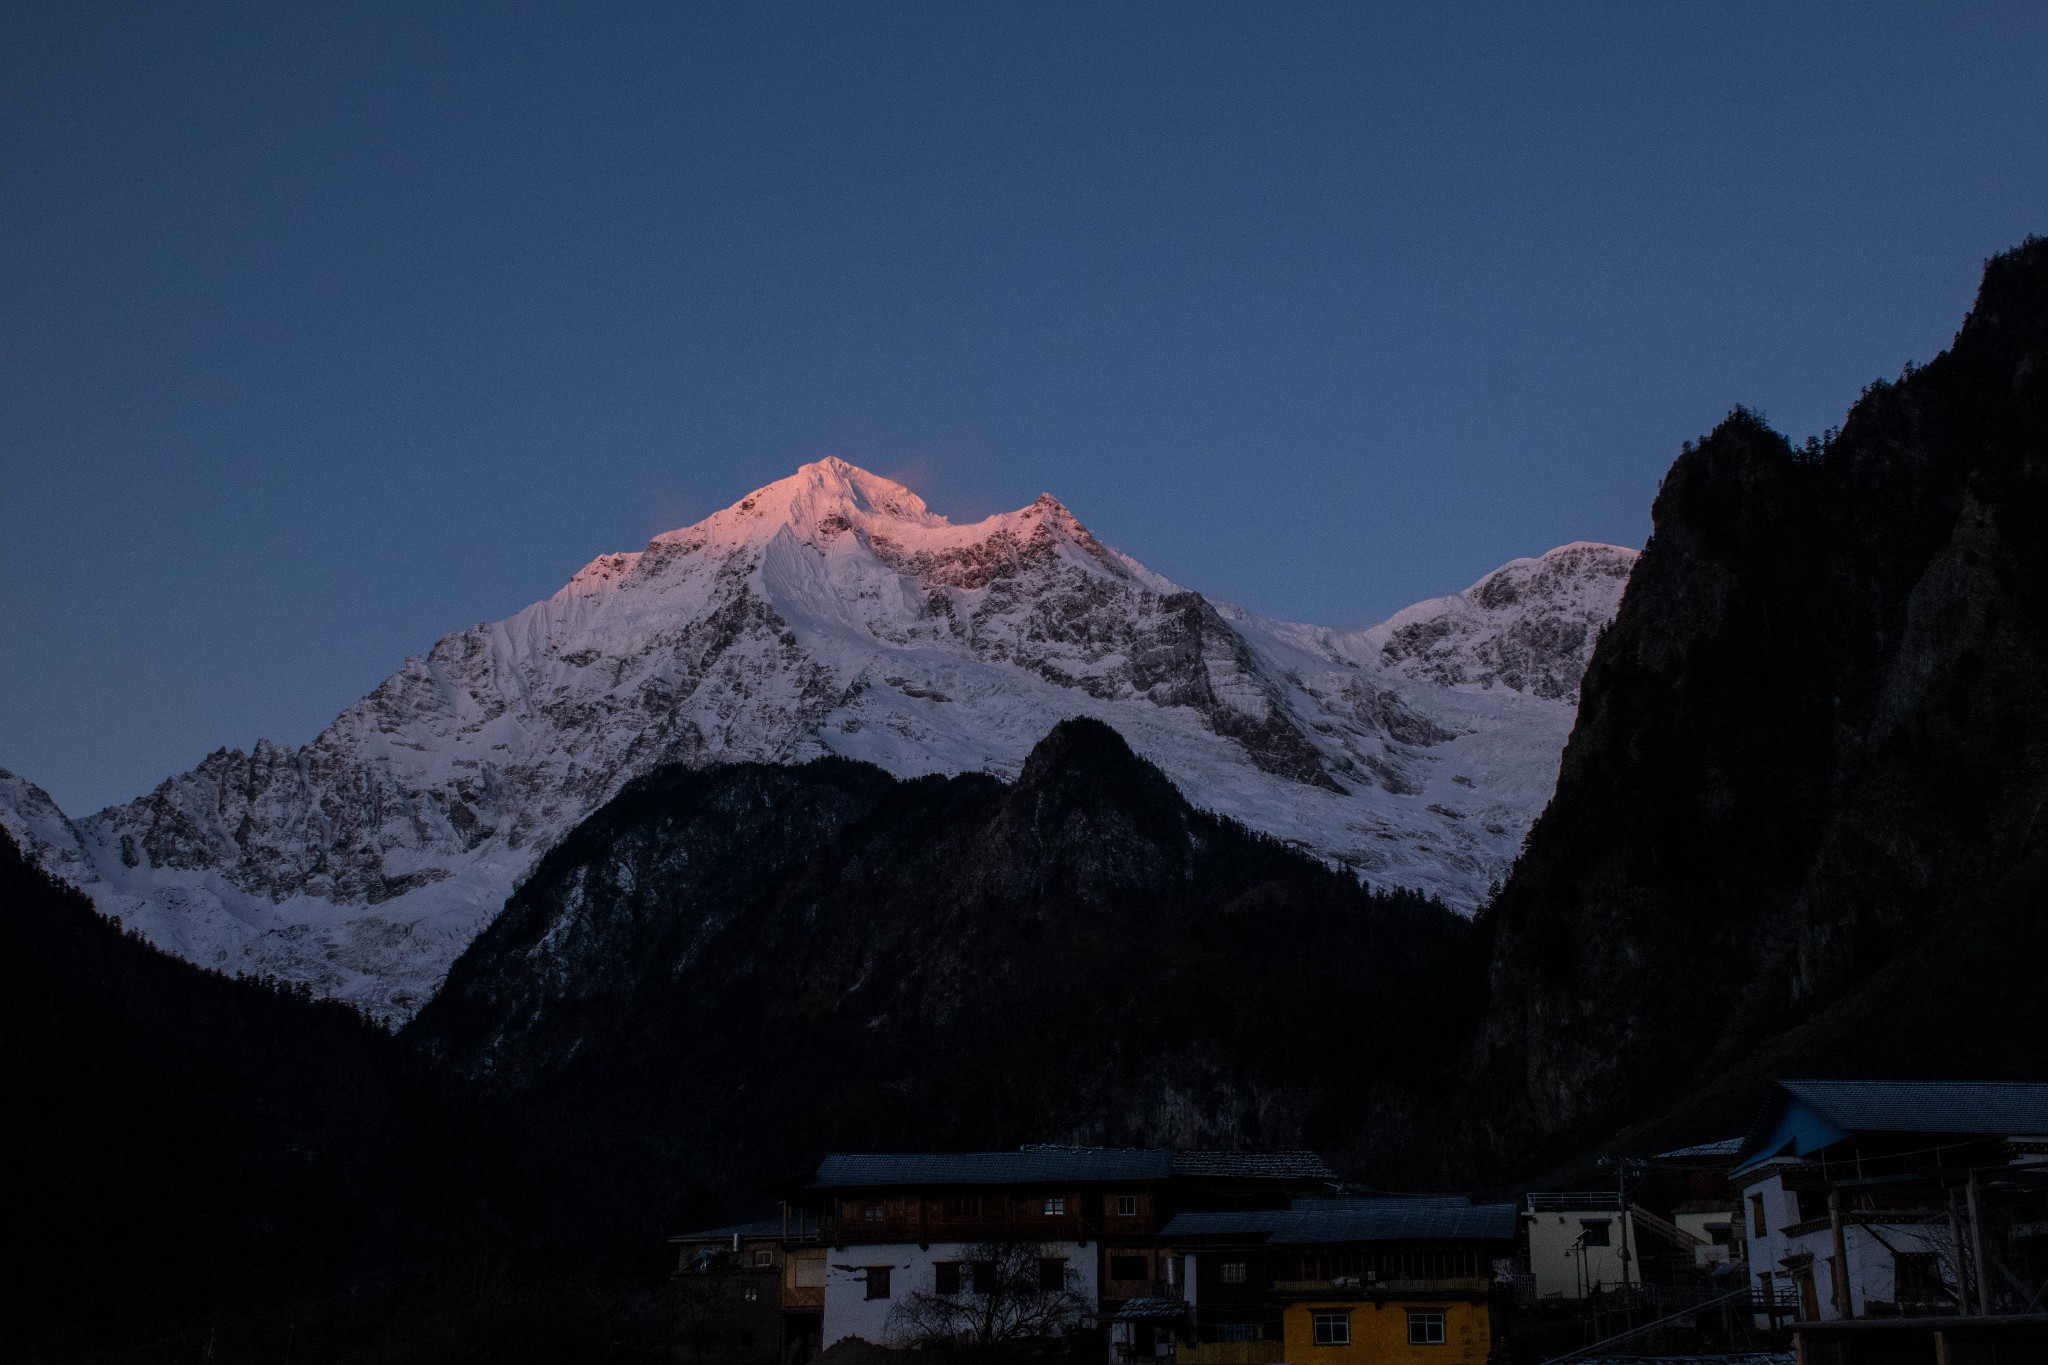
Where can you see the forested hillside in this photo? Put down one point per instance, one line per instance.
(727, 971)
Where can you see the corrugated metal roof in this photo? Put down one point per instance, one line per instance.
(1726, 1147)
(765, 1227)
(1992, 1108)
(1253, 1165)
(1042, 1165)
(1805, 1116)
(1358, 1220)
(1036, 1166)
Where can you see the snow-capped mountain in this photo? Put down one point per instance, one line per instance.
(832, 612)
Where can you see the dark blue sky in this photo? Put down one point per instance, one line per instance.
(324, 331)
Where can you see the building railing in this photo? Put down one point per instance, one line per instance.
(1566, 1201)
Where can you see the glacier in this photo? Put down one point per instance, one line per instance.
(832, 612)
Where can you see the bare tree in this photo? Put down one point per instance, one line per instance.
(706, 1305)
(1001, 1292)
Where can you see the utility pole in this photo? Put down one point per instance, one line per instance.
(1955, 1241)
(1844, 1303)
(1977, 1247)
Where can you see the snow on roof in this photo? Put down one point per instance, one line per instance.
(1726, 1147)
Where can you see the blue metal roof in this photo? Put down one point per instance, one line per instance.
(1060, 1166)
(1313, 1221)
(1805, 1116)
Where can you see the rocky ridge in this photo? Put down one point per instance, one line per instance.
(833, 613)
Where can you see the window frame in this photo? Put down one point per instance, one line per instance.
(882, 1284)
(1330, 1326)
(1428, 1319)
(1233, 1272)
(943, 1271)
(1127, 1206)
(1055, 1206)
(1052, 1274)
(1588, 1226)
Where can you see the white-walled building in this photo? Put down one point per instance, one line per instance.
(907, 1236)
(1580, 1243)
(1894, 1198)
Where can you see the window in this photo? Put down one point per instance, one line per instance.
(984, 1277)
(1231, 1272)
(1599, 1232)
(1128, 1267)
(946, 1278)
(967, 1206)
(1813, 1205)
(1127, 1206)
(1332, 1329)
(1055, 1206)
(1721, 1234)
(763, 1256)
(1425, 1327)
(1052, 1274)
(873, 1213)
(1238, 1331)
(878, 1282)
(1756, 1215)
(810, 1272)
(1916, 1278)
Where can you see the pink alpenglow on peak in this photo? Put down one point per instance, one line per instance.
(833, 612)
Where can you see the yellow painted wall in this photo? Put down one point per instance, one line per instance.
(1379, 1333)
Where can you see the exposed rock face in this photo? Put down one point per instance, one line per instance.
(833, 613)
(726, 970)
(1529, 627)
(1803, 802)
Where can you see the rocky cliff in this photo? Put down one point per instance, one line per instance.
(1799, 823)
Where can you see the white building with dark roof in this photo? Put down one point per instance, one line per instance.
(1898, 1198)
(899, 1230)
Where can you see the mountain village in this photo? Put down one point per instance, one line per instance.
(1856, 1223)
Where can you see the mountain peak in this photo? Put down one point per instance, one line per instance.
(824, 494)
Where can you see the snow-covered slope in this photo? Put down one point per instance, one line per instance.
(832, 612)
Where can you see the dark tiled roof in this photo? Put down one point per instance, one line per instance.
(765, 1227)
(1253, 1165)
(1995, 1108)
(1358, 1220)
(1060, 1165)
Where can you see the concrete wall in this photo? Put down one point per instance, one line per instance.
(1565, 1268)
